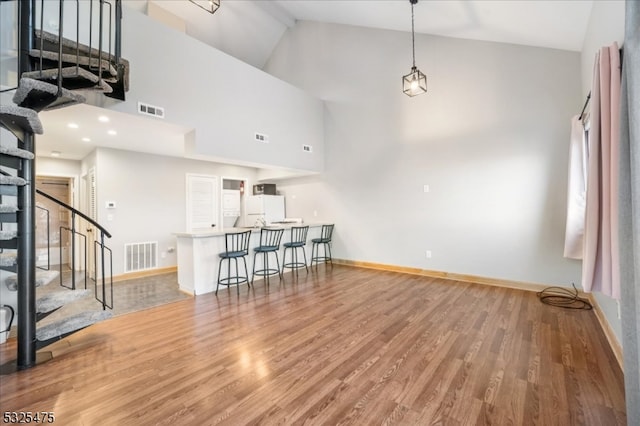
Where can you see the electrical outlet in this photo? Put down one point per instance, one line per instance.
(428, 254)
(619, 311)
(426, 188)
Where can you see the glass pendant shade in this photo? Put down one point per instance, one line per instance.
(209, 5)
(414, 83)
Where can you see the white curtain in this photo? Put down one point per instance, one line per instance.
(601, 260)
(576, 194)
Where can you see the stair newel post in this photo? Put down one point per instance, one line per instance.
(73, 250)
(26, 216)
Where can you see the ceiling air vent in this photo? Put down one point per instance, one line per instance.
(261, 137)
(151, 110)
(307, 148)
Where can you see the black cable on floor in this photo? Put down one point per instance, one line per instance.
(563, 298)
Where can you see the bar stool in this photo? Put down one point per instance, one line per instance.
(298, 240)
(269, 243)
(236, 245)
(325, 240)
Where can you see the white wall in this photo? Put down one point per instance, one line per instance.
(225, 100)
(606, 25)
(149, 191)
(490, 138)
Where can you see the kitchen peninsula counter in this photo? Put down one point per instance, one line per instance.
(198, 252)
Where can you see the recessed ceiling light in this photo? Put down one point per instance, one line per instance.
(72, 126)
(103, 119)
(86, 140)
(112, 132)
(55, 153)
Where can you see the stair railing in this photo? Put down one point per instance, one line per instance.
(100, 249)
(114, 37)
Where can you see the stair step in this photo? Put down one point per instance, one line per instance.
(73, 78)
(70, 47)
(15, 152)
(50, 333)
(8, 208)
(57, 299)
(42, 278)
(9, 244)
(12, 180)
(8, 217)
(8, 234)
(9, 262)
(8, 190)
(93, 63)
(39, 95)
(84, 80)
(11, 162)
(18, 120)
(8, 213)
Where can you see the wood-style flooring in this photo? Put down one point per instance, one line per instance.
(342, 345)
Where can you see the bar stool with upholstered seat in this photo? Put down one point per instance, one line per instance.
(236, 245)
(269, 243)
(298, 241)
(325, 240)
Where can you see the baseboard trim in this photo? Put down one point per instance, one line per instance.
(146, 273)
(496, 282)
(608, 331)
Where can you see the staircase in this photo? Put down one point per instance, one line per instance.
(54, 73)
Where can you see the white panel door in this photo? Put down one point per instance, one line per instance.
(202, 206)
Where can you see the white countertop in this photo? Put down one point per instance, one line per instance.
(215, 232)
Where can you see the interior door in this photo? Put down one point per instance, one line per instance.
(202, 205)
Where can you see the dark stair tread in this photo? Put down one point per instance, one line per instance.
(73, 78)
(57, 330)
(9, 243)
(15, 152)
(18, 120)
(57, 299)
(93, 62)
(42, 278)
(39, 95)
(8, 217)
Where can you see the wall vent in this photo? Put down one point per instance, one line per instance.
(307, 148)
(140, 256)
(154, 111)
(261, 137)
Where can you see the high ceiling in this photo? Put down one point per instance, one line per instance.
(250, 30)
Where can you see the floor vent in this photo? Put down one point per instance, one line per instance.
(140, 256)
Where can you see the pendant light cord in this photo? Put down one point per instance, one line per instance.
(413, 38)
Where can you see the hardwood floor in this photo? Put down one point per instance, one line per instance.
(338, 346)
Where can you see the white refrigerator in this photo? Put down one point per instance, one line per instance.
(265, 208)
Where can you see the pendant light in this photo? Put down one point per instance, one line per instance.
(414, 83)
(209, 5)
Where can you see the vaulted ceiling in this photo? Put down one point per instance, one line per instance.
(250, 30)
